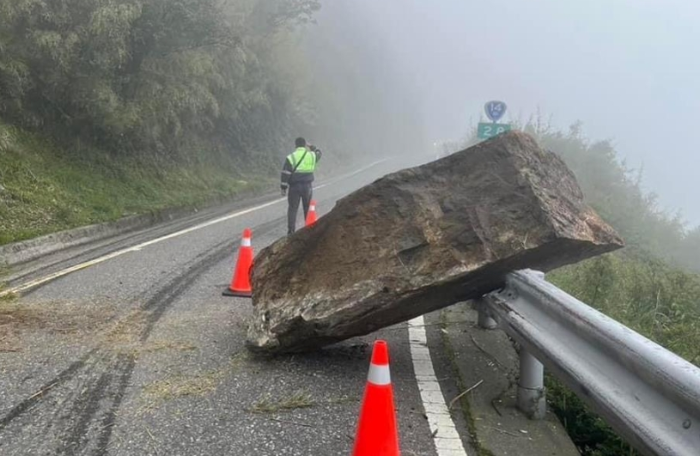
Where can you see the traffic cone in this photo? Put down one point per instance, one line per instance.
(377, 434)
(311, 216)
(240, 283)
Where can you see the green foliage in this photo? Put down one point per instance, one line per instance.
(148, 77)
(115, 107)
(651, 287)
(649, 296)
(643, 287)
(614, 191)
(590, 433)
(45, 190)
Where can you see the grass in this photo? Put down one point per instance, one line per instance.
(45, 189)
(180, 386)
(343, 400)
(4, 271)
(160, 345)
(6, 297)
(124, 334)
(589, 432)
(647, 295)
(296, 400)
(239, 360)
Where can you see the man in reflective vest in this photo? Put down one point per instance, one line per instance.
(297, 180)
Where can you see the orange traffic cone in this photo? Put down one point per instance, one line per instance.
(377, 434)
(311, 216)
(240, 283)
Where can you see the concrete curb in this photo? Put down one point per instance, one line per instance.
(21, 252)
(485, 363)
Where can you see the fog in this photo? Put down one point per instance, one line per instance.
(418, 71)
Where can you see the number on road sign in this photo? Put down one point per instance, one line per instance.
(495, 110)
(489, 130)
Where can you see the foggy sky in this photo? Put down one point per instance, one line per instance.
(628, 69)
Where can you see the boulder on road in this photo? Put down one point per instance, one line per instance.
(422, 239)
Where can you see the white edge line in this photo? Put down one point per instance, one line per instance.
(447, 440)
(102, 259)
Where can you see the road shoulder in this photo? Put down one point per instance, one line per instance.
(485, 363)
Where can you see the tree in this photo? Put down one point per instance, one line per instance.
(154, 78)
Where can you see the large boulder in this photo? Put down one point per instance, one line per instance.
(422, 239)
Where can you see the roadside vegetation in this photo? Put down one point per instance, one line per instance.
(655, 299)
(115, 107)
(46, 189)
(652, 285)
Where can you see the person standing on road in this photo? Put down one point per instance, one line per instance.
(297, 180)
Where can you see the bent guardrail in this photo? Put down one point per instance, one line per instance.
(649, 395)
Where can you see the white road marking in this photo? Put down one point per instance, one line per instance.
(42, 280)
(447, 440)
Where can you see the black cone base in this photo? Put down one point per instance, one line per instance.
(238, 294)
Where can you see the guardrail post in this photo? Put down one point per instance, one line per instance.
(486, 321)
(531, 391)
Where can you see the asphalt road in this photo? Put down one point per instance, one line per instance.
(142, 355)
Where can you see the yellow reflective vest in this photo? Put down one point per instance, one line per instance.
(304, 164)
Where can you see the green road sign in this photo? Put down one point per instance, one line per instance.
(489, 130)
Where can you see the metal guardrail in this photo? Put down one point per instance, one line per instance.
(649, 395)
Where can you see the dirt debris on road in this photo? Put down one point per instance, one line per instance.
(72, 319)
(422, 239)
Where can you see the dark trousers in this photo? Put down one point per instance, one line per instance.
(301, 191)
